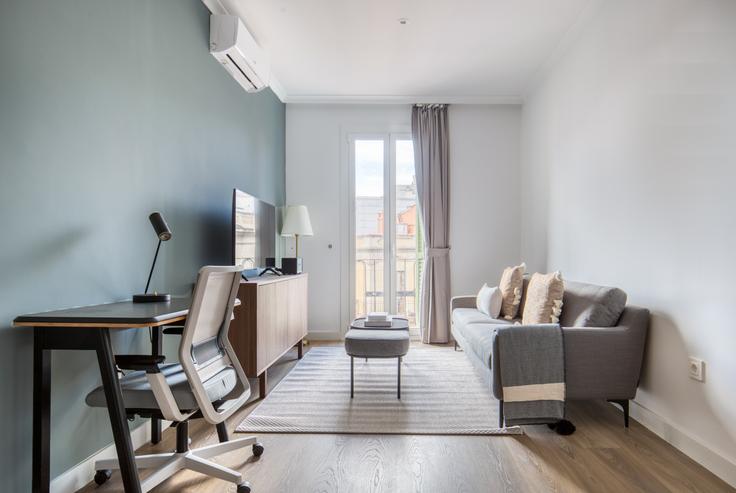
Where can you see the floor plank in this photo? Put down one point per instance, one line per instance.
(602, 456)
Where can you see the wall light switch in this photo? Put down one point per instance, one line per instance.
(696, 369)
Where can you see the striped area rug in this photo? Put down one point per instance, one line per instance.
(440, 395)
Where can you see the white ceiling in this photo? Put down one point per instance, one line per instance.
(356, 50)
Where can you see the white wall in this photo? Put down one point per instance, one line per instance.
(485, 215)
(484, 177)
(630, 140)
(316, 176)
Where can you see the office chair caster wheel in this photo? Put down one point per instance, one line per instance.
(258, 449)
(551, 426)
(244, 487)
(102, 476)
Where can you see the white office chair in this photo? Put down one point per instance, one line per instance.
(209, 383)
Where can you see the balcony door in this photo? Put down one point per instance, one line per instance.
(386, 240)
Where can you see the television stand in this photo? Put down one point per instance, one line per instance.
(271, 320)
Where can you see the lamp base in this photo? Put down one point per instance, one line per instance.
(151, 298)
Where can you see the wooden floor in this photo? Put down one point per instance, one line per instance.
(601, 456)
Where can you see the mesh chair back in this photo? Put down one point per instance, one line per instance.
(205, 349)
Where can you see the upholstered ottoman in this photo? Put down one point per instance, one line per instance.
(370, 342)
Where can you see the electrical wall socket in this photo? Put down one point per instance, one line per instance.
(696, 369)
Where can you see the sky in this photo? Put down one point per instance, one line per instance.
(369, 166)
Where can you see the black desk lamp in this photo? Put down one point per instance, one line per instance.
(164, 234)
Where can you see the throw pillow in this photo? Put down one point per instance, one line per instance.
(489, 301)
(543, 303)
(511, 282)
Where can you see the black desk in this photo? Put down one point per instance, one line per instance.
(88, 328)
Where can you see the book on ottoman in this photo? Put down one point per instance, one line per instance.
(378, 319)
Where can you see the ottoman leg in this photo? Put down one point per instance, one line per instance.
(352, 365)
(398, 380)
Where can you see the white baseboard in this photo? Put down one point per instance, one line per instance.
(324, 336)
(78, 476)
(718, 464)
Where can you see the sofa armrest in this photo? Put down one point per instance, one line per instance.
(606, 362)
(467, 301)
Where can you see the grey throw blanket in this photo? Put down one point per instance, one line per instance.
(532, 361)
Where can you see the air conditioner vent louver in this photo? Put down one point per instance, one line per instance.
(235, 64)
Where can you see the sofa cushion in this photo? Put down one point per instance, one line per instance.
(465, 316)
(543, 299)
(589, 305)
(524, 288)
(479, 340)
(510, 285)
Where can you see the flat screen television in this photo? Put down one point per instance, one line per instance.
(254, 230)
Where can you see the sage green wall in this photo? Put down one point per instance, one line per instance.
(110, 110)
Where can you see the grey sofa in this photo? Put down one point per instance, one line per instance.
(603, 339)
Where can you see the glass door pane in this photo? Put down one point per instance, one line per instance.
(387, 255)
(407, 240)
(370, 243)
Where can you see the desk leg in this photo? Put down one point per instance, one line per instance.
(118, 421)
(41, 413)
(300, 349)
(156, 349)
(262, 384)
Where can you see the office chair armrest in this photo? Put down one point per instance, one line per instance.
(174, 330)
(144, 362)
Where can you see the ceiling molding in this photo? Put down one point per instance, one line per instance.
(323, 99)
(215, 6)
(277, 89)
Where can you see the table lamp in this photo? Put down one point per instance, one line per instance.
(296, 224)
(164, 234)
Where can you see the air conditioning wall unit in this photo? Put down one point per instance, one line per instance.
(234, 47)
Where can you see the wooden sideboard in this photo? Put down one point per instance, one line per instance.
(271, 319)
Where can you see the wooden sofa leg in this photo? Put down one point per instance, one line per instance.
(625, 406)
(500, 414)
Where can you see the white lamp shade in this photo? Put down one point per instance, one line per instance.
(296, 221)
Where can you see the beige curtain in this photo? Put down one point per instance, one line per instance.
(431, 156)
